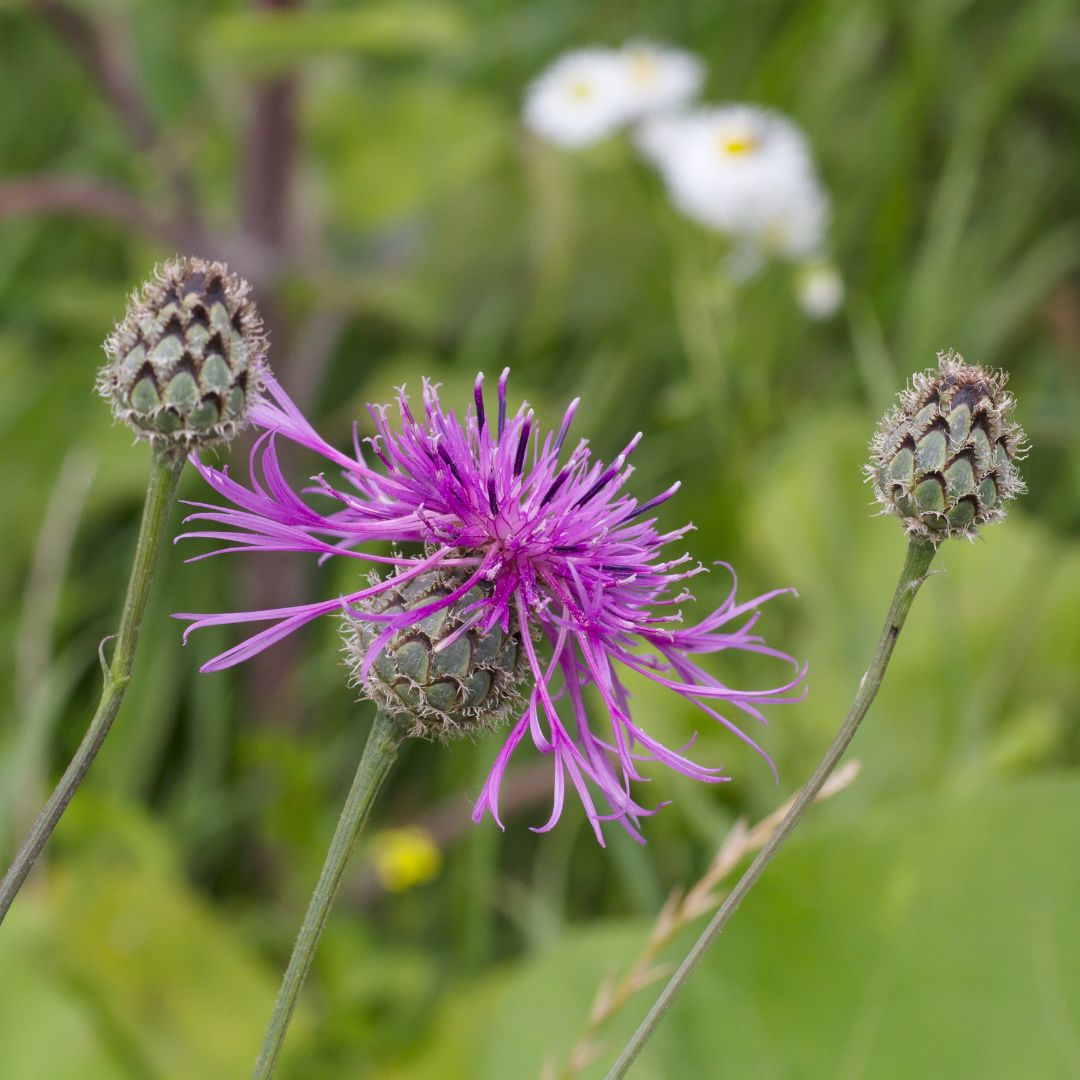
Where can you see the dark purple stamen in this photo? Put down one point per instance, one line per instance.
(478, 397)
(645, 507)
(608, 474)
(523, 445)
(450, 464)
(555, 485)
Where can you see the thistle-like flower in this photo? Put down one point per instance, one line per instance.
(185, 364)
(530, 565)
(944, 460)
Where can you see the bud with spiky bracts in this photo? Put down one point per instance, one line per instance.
(443, 673)
(185, 364)
(944, 460)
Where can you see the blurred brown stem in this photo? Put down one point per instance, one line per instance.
(261, 248)
(265, 205)
(269, 154)
(57, 193)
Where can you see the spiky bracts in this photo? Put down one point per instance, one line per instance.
(441, 672)
(944, 459)
(185, 364)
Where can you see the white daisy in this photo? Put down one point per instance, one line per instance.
(579, 99)
(660, 137)
(743, 171)
(659, 77)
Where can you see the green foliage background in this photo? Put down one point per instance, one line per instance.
(925, 922)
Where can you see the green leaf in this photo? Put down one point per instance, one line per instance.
(415, 145)
(162, 978)
(272, 39)
(47, 1027)
(936, 938)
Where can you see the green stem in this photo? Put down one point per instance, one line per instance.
(165, 470)
(378, 757)
(920, 554)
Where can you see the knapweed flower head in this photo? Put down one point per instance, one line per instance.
(743, 171)
(185, 364)
(944, 459)
(588, 94)
(531, 563)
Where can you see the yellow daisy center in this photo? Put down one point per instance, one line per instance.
(642, 68)
(737, 145)
(580, 90)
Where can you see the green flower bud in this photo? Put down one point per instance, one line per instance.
(184, 366)
(448, 682)
(944, 460)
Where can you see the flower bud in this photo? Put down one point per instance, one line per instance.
(448, 681)
(184, 366)
(944, 459)
(819, 289)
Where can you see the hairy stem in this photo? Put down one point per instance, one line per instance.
(165, 470)
(920, 554)
(378, 757)
(681, 909)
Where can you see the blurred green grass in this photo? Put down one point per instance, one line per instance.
(434, 239)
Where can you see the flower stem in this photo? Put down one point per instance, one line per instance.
(375, 763)
(920, 554)
(165, 470)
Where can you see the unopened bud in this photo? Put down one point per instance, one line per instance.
(184, 366)
(944, 460)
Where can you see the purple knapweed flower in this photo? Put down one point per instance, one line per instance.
(514, 541)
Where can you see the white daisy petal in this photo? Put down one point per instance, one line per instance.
(743, 171)
(579, 99)
(659, 77)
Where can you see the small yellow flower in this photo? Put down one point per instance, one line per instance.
(405, 858)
